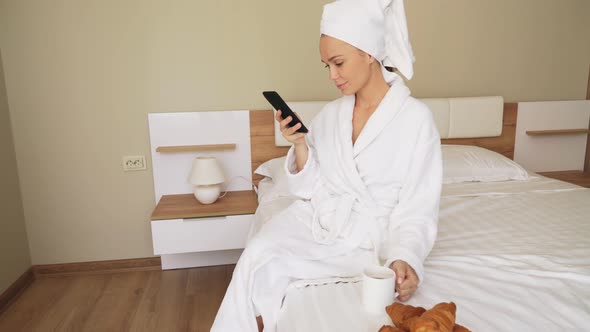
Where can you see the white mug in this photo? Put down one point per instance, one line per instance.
(378, 289)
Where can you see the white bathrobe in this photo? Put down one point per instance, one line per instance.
(372, 202)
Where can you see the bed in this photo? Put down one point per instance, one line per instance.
(513, 252)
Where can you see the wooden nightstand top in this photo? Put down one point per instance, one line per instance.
(576, 177)
(186, 206)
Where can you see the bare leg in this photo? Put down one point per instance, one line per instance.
(260, 323)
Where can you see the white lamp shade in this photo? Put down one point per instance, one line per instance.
(206, 171)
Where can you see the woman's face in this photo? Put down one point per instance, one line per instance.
(350, 68)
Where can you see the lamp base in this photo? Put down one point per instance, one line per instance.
(207, 194)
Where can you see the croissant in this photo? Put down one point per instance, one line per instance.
(440, 318)
(408, 324)
(400, 312)
(459, 328)
(388, 328)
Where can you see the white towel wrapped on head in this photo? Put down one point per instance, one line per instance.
(377, 27)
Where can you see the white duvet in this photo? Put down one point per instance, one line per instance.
(513, 256)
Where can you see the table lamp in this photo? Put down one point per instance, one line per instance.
(207, 177)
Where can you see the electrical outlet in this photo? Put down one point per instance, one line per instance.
(134, 163)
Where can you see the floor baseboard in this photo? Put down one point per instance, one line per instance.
(111, 266)
(16, 288)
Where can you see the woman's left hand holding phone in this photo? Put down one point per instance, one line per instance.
(292, 136)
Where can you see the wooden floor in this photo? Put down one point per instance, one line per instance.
(175, 300)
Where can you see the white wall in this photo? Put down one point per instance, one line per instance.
(81, 77)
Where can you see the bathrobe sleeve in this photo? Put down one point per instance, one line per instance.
(303, 183)
(414, 222)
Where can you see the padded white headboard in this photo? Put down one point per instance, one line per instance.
(306, 110)
(467, 117)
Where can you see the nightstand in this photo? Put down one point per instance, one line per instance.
(576, 177)
(186, 233)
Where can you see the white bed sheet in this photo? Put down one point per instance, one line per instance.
(513, 256)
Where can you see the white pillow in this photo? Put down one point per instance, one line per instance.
(274, 170)
(461, 163)
(466, 163)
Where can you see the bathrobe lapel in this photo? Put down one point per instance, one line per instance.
(347, 176)
(389, 107)
(344, 177)
(349, 179)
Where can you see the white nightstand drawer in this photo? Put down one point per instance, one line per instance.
(200, 234)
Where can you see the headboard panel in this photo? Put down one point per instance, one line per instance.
(262, 140)
(503, 144)
(456, 117)
(263, 146)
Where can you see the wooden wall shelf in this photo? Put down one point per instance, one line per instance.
(191, 148)
(185, 206)
(557, 132)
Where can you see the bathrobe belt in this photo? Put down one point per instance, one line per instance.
(338, 209)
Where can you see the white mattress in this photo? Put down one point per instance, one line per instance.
(513, 256)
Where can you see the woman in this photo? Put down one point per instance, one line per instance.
(368, 174)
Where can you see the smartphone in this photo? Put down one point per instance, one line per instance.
(279, 104)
